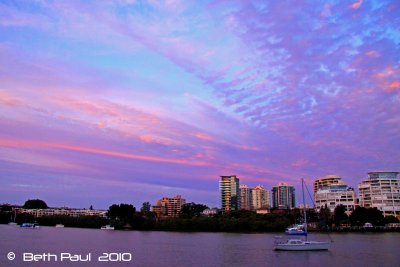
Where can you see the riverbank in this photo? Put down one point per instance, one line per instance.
(160, 248)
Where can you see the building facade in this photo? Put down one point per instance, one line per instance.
(260, 198)
(381, 190)
(327, 181)
(169, 206)
(245, 197)
(331, 192)
(229, 189)
(283, 196)
(61, 212)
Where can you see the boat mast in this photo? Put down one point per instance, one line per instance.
(304, 208)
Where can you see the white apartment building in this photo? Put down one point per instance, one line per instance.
(331, 191)
(381, 190)
(260, 198)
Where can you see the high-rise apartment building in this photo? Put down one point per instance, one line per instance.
(168, 206)
(229, 189)
(331, 191)
(245, 197)
(381, 190)
(260, 198)
(283, 196)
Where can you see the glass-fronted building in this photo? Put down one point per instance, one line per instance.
(283, 196)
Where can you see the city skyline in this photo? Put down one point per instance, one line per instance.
(127, 101)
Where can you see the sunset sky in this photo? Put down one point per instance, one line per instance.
(128, 101)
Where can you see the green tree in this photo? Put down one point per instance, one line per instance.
(145, 209)
(240, 214)
(375, 216)
(122, 215)
(121, 211)
(390, 219)
(340, 215)
(362, 215)
(35, 204)
(325, 216)
(192, 209)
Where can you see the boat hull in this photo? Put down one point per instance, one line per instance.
(306, 246)
(30, 225)
(295, 233)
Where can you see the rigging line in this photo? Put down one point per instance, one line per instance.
(309, 194)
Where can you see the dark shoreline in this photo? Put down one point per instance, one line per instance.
(354, 230)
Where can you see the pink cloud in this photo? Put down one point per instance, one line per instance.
(8, 99)
(357, 5)
(18, 143)
(372, 53)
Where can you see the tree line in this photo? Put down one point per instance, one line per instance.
(125, 216)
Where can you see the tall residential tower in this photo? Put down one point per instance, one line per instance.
(229, 189)
(260, 198)
(245, 197)
(283, 196)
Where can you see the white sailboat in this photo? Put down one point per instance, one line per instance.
(13, 222)
(302, 245)
(107, 227)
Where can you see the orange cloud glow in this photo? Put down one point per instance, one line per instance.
(394, 85)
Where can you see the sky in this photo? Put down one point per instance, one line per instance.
(129, 101)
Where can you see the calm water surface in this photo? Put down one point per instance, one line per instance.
(193, 249)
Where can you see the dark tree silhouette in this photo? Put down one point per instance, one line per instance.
(35, 204)
(192, 209)
(145, 209)
(362, 215)
(340, 215)
(121, 211)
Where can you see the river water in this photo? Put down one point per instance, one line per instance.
(135, 248)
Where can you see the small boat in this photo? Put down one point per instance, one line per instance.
(368, 225)
(298, 244)
(12, 223)
(59, 225)
(107, 227)
(30, 225)
(296, 230)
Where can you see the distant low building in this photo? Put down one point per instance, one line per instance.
(61, 211)
(210, 212)
(263, 211)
